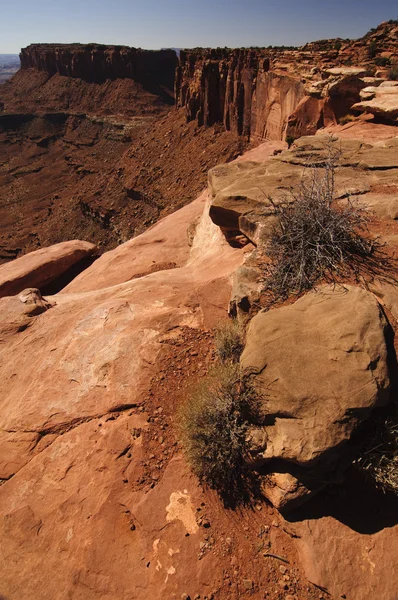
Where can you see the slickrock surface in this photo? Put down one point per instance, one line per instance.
(96, 498)
(242, 194)
(38, 269)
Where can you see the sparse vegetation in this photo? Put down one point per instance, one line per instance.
(382, 61)
(379, 459)
(314, 237)
(393, 73)
(228, 340)
(346, 119)
(290, 139)
(372, 50)
(213, 424)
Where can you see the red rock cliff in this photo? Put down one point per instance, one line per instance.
(236, 88)
(97, 63)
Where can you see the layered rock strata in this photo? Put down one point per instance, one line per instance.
(237, 89)
(97, 63)
(268, 93)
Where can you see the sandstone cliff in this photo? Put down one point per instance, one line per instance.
(268, 93)
(236, 87)
(96, 62)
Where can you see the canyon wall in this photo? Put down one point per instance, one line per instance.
(97, 63)
(236, 88)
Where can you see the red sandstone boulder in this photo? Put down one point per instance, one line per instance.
(41, 267)
(320, 366)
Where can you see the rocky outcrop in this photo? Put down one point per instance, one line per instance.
(40, 268)
(380, 100)
(97, 63)
(264, 94)
(270, 93)
(243, 195)
(90, 382)
(74, 418)
(236, 88)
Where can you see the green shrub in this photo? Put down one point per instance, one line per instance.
(393, 73)
(213, 424)
(346, 119)
(313, 237)
(372, 50)
(290, 139)
(228, 340)
(382, 61)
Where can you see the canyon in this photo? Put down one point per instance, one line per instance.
(135, 212)
(94, 148)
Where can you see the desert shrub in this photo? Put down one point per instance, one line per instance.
(313, 237)
(228, 340)
(346, 119)
(290, 139)
(382, 61)
(213, 424)
(372, 50)
(379, 459)
(393, 73)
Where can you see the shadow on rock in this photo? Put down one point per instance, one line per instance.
(356, 503)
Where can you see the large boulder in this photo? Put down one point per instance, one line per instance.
(41, 267)
(320, 367)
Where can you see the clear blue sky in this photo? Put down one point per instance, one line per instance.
(187, 23)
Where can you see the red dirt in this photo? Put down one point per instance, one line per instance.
(80, 178)
(237, 539)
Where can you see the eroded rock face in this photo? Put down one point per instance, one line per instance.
(235, 87)
(43, 266)
(269, 93)
(96, 62)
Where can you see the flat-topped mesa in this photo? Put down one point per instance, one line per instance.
(235, 87)
(97, 62)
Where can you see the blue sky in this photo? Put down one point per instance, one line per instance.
(187, 23)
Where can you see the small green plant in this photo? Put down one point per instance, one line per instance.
(313, 237)
(290, 139)
(346, 119)
(228, 340)
(372, 50)
(214, 423)
(382, 61)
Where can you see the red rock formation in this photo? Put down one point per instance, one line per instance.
(270, 93)
(96, 62)
(235, 87)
